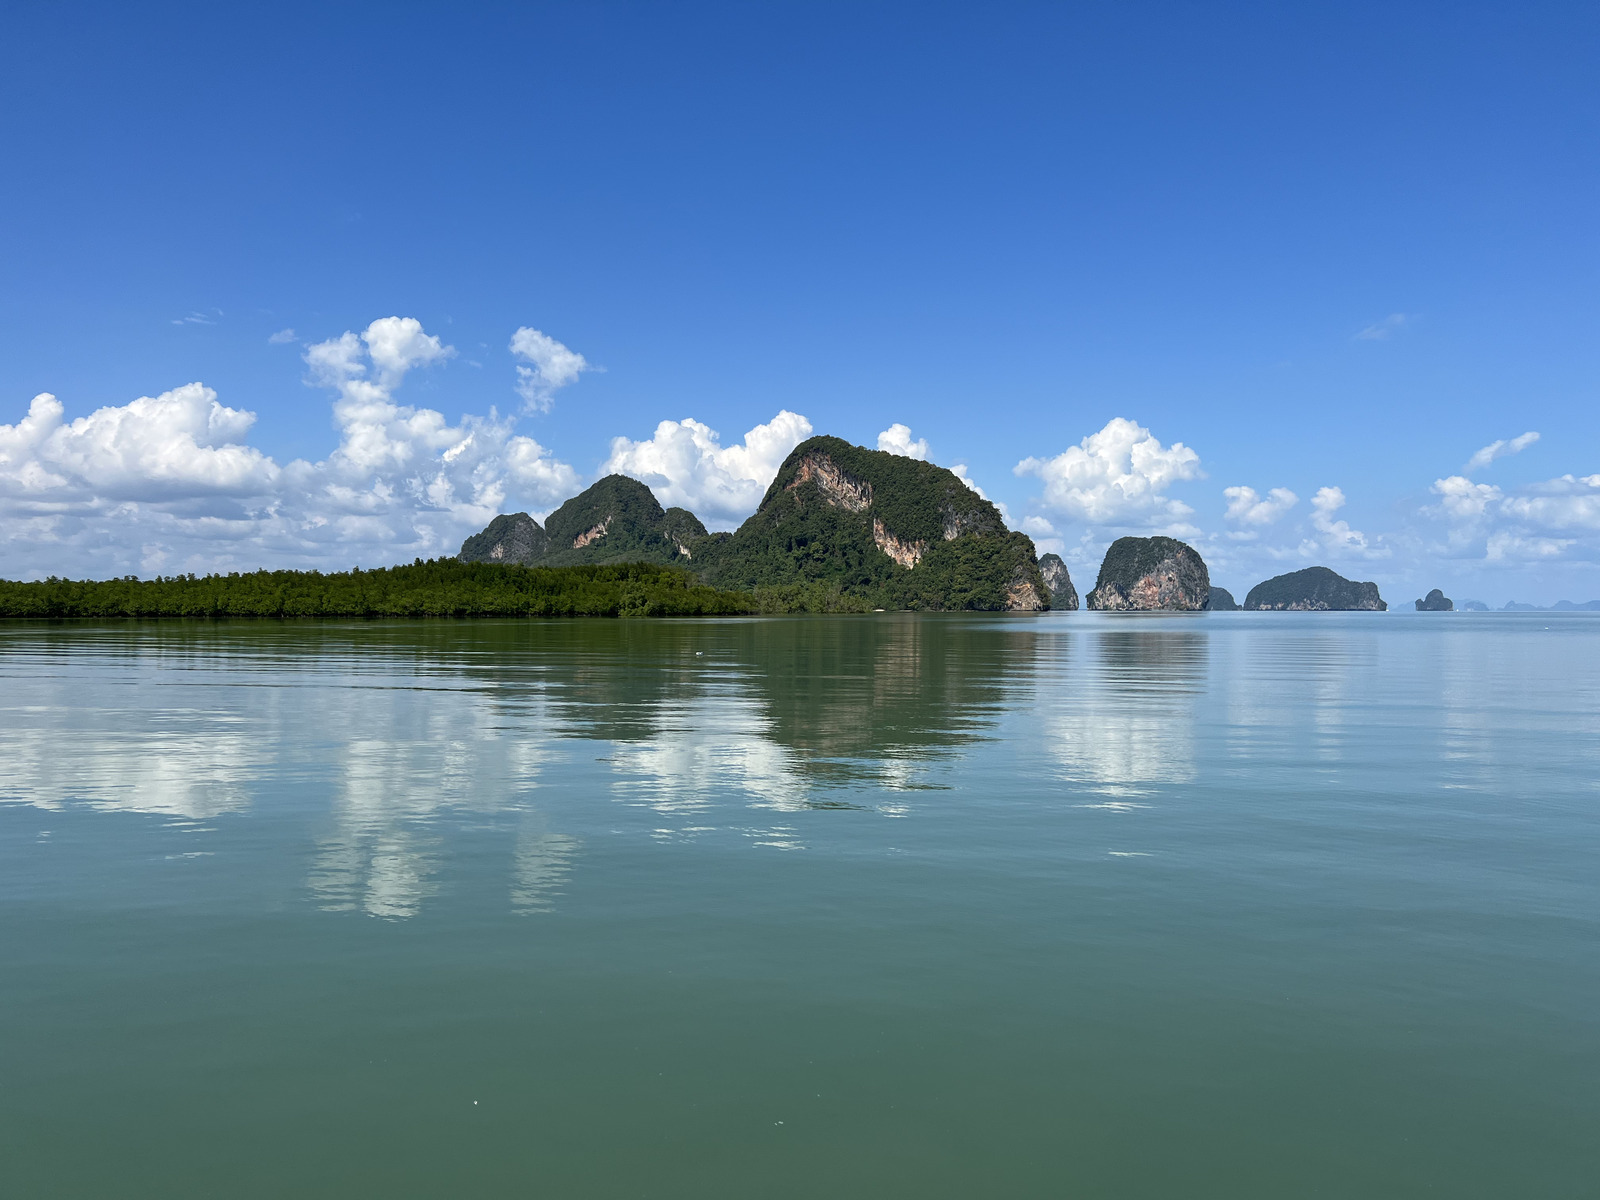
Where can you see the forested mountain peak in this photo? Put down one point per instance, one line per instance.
(897, 531)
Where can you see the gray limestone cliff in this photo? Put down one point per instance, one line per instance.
(1151, 574)
(1054, 572)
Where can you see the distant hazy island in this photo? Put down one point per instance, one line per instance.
(840, 529)
(1315, 589)
(1518, 606)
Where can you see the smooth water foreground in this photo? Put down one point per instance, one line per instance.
(1237, 905)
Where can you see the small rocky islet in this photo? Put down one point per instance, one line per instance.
(843, 528)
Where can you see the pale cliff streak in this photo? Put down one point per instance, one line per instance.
(592, 535)
(1022, 596)
(837, 487)
(955, 524)
(907, 554)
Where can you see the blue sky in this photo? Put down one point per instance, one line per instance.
(1340, 250)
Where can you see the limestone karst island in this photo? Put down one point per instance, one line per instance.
(841, 529)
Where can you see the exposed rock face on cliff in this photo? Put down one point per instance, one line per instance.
(1150, 574)
(616, 520)
(1222, 601)
(1315, 589)
(893, 530)
(1062, 594)
(509, 538)
(1435, 601)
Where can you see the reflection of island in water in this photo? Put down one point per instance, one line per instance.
(789, 712)
(394, 734)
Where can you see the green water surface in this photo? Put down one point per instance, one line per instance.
(1080, 905)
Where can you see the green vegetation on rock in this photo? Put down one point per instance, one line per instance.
(1056, 577)
(878, 529)
(509, 538)
(1222, 601)
(619, 520)
(1435, 601)
(1315, 589)
(1151, 574)
(442, 587)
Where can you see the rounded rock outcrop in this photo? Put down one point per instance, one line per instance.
(1151, 574)
(1435, 601)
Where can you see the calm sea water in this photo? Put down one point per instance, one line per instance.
(1235, 905)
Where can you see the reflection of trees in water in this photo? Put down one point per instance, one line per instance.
(766, 709)
(1126, 718)
(880, 698)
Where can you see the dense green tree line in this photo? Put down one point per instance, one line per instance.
(443, 587)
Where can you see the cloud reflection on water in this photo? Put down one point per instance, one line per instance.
(199, 768)
(1121, 713)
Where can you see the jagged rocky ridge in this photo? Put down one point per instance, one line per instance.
(877, 529)
(1150, 574)
(1315, 589)
(1054, 572)
(616, 520)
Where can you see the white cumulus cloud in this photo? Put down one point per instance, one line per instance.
(1247, 507)
(546, 367)
(180, 444)
(1337, 536)
(1117, 476)
(397, 345)
(897, 440)
(169, 483)
(1460, 498)
(1555, 518)
(1499, 449)
(1567, 503)
(686, 464)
